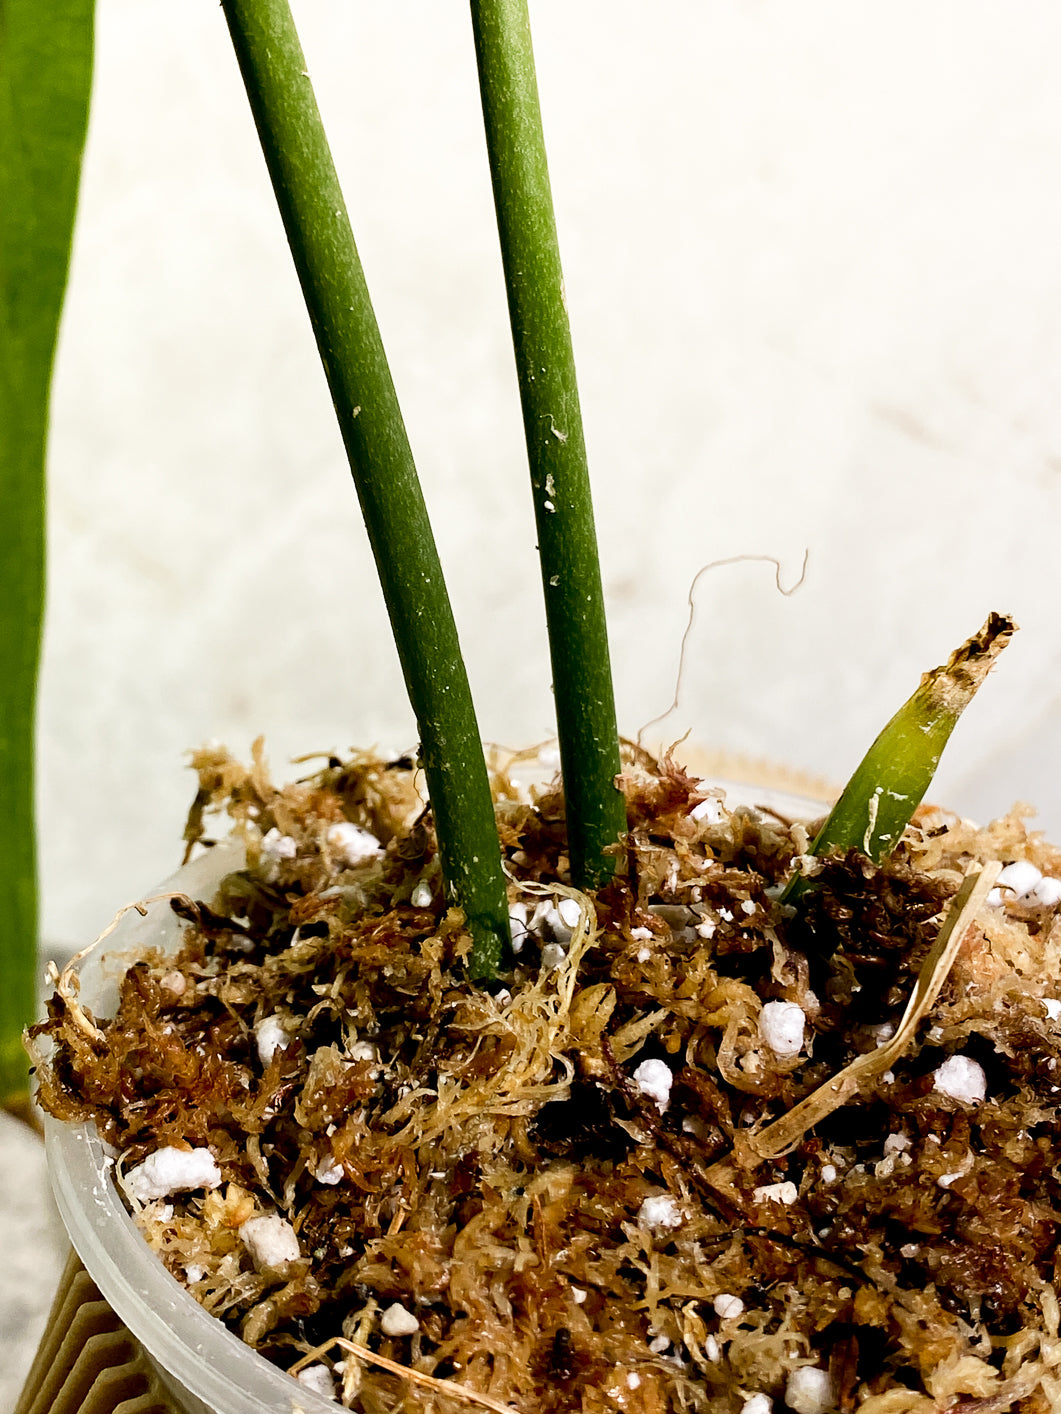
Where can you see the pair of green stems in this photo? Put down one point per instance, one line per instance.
(893, 777)
(333, 283)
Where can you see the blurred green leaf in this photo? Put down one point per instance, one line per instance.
(45, 80)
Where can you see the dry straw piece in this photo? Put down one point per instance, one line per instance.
(779, 1137)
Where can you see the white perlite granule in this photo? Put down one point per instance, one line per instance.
(396, 1320)
(552, 956)
(517, 925)
(1047, 891)
(421, 895)
(364, 1050)
(781, 1027)
(810, 1391)
(350, 844)
(276, 846)
(270, 1240)
(328, 1171)
(570, 912)
(709, 810)
(786, 1192)
(1021, 877)
(1023, 881)
(727, 1307)
(961, 1078)
(271, 1037)
(318, 1378)
(660, 1211)
(171, 1170)
(758, 1404)
(654, 1079)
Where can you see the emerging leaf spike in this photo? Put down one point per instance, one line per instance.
(890, 783)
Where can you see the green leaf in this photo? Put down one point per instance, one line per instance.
(45, 80)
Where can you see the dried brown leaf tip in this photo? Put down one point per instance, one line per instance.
(568, 1192)
(957, 681)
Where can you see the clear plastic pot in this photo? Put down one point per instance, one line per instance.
(203, 1366)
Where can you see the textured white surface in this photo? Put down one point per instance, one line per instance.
(1022, 877)
(270, 1240)
(271, 1036)
(962, 1078)
(758, 1404)
(727, 1306)
(172, 1170)
(351, 845)
(654, 1079)
(659, 1211)
(781, 1027)
(396, 1320)
(319, 1379)
(786, 1192)
(810, 1391)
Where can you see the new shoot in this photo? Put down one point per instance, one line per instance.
(879, 800)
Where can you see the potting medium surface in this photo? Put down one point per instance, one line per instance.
(692, 1149)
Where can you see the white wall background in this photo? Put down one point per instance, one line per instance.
(813, 260)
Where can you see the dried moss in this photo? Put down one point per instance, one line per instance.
(494, 1150)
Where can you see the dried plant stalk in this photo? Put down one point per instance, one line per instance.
(779, 1137)
(452, 1388)
(66, 982)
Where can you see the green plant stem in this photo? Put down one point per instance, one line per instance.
(891, 780)
(333, 283)
(552, 423)
(45, 79)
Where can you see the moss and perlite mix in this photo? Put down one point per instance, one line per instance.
(548, 1193)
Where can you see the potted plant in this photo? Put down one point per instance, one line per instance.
(584, 1152)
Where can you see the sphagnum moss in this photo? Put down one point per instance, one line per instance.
(557, 1183)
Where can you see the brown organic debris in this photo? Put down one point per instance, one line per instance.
(605, 1182)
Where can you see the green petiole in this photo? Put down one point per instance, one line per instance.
(322, 244)
(556, 449)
